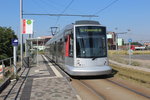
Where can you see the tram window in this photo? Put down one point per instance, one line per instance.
(71, 46)
(91, 42)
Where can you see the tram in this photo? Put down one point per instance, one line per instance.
(80, 49)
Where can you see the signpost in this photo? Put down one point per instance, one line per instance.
(129, 51)
(15, 44)
(27, 26)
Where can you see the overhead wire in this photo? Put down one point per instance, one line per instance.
(67, 6)
(38, 4)
(49, 4)
(55, 3)
(64, 11)
(107, 6)
(113, 2)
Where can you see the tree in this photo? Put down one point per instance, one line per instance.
(6, 36)
(136, 43)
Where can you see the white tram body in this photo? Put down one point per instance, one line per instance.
(80, 49)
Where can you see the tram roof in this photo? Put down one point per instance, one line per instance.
(81, 22)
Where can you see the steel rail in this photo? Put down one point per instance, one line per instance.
(132, 90)
(69, 78)
(93, 90)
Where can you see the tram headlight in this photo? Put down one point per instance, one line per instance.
(78, 63)
(106, 62)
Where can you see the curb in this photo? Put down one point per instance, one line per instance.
(140, 68)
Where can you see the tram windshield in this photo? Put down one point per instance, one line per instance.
(91, 42)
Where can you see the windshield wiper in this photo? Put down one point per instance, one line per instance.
(94, 58)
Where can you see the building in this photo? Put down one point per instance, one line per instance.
(111, 38)
(41, 41)
(113, 41)
(36, 43)
(147, 44)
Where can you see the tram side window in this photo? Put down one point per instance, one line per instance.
(71, 46)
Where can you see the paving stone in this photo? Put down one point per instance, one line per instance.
(40, 84)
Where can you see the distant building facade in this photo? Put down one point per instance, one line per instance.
(147, 44)
(114, 41)
(111, 38)
(40, 43)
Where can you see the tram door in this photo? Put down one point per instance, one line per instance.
(69, 49)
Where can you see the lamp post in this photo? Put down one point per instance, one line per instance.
(129, 51)
(21, 35)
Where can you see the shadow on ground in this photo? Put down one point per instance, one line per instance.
(96, 77)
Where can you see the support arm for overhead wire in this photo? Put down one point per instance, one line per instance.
(61, 15)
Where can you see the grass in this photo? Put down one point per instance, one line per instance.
(41, 52)
(1, 80)
(119, 56)
(8, 72)
(140, 77)
(121, 59)
(125, 52)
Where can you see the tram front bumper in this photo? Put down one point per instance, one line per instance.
(88, 71)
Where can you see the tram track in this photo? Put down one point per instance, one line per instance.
(130, 89)
(91, 85)
(90, 91)
(111, 92)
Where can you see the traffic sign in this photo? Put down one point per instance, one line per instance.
(15, 42)
(129, 40)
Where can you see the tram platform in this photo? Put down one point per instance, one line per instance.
(39, 82)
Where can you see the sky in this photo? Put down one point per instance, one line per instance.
(117, 15)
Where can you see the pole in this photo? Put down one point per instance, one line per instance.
(37, 52)
(21, 36)
(15, 59)
(129, 53)
(26, 48)
(116, 41)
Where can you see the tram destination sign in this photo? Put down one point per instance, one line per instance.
(90, 30)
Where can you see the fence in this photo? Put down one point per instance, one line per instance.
(7, 67)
